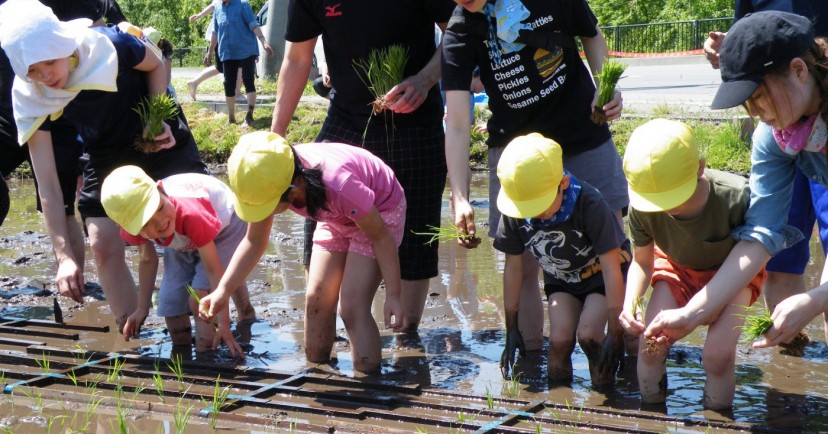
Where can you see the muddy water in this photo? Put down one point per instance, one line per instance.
(460, 341)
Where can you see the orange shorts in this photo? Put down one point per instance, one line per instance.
(684, 282)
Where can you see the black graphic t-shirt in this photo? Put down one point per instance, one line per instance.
(567, 252)
(548, 91)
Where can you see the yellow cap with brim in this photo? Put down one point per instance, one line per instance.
(130, 198)
(530, 171)
(260, 170)
(661, 163)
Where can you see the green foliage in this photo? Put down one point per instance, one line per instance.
(757, 322)
(608, 79)
(153, 112)
(382, 71)
(619, 12)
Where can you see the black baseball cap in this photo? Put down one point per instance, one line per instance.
(755, 44)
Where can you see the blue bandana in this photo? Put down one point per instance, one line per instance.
(570, 196)
(507, 14)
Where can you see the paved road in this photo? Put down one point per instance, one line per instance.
(682, 83)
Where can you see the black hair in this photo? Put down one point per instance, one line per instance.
(316, 197)
(166, 48)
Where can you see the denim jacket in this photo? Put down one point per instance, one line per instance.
(771, 185)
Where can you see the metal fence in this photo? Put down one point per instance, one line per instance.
(666, 37)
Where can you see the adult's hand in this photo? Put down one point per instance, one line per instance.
(712, 46)
(69, 280)
(166, 139)
(408, 95)
(132, 325)
(613, 108)
(789, 317)
(208, 59)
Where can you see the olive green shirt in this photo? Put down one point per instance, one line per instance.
(703, 242)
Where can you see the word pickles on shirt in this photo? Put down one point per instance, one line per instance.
(513, 75)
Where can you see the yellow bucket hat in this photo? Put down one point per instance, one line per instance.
(530, 171)
(259, 170)
(130, 198)
(661, 164)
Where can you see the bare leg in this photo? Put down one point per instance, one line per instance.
(205, 333)
(205, 73)
(241, 300)
(359, 285)
(564, 311)
(591, 335)
(414, 293)
(719, 354)
(530, 320)
(251, 104)
(652, 371)
(231, 109)
(180, 329)
(113, 273)
(321, 299)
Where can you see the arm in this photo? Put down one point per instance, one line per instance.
(612, 349)
(742, 264)
(245, 257)
(147, 270)
(292, 78)
(596, 51)
(209, 256)
(385, 249)
(712, 45)
(638, 280)
(258, 32)
(512, 277)
(413, 90)
(793, 314)
(458, 133)
(204, 12)
(69, 279)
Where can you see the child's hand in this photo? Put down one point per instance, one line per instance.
(224, 334)
(633, 324)
(211, 305)
(393, 308)
(132, 326)
(609, 359)
(514, 341)
(669, 326)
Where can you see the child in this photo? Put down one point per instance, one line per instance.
(190, 215)
(778, 76)
(681, 221)
(94, 79)
(360, 208)
(580, 245)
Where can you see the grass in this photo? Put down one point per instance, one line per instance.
(153, 112)
(757, 322)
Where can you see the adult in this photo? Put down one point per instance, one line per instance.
(539, 85)
(212, 70)
(408, 136)
(94, 78)
(809, 202)
(235, 32)
(771, 64)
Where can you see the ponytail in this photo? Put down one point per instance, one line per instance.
(316, 197)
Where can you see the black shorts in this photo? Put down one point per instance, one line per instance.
(417, 157)
(549, 289)
(181, 158)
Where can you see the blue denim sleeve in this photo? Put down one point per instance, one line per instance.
(771, 185)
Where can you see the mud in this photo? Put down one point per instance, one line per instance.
(457, 349)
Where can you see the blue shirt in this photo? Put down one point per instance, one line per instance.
(771, 186)
(233, 23)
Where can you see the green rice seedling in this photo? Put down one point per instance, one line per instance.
(158, 382)
(489, 399)
(121, 412)
(639, 306)
(177, 368)
(757, 322)
(511, 387)
(219, 398)
(35, 395)
(383, 70)
(182, 414)
(607, 80)
(73, 377)
(444, 234)
(44, 363)
(115, 374)
(51, 421)
(153, 112)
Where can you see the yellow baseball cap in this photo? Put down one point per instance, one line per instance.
(259, 170)
(530, 171)
(130, 198)
(662, 165)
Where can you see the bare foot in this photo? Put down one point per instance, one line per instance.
(192, 87)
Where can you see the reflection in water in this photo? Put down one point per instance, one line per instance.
(461, 337)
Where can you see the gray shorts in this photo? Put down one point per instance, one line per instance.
(601, 167)
(182, 268)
